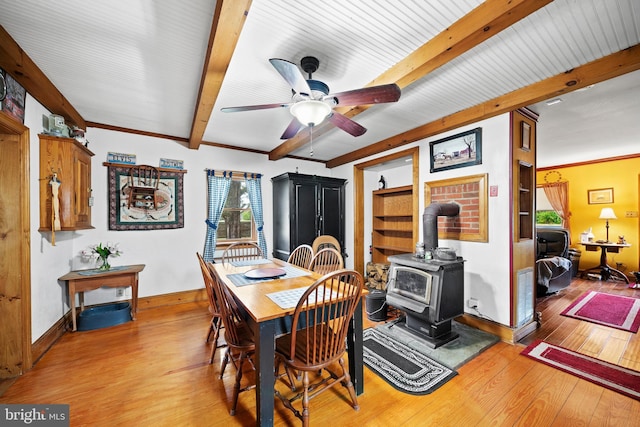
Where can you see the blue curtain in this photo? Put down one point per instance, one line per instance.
(254, 186)
(217, 192)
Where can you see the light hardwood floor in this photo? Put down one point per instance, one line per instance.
(154, 372)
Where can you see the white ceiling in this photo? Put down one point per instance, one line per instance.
(139, 65)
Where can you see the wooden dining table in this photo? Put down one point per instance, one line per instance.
(268, 320)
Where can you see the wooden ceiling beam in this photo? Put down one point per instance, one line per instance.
(228, 20)
(477, 26)
(21, 67)
(606, 68)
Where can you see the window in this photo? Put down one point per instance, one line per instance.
(236, 223)
(545, 214)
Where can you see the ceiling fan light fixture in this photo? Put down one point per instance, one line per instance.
(310, 112)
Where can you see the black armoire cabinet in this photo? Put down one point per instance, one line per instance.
(304, 207)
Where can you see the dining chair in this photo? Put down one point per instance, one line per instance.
(214, 308)
(301, 256)
(237, 333)
(325, 241)
(317, 339)
(241, 251)
(326, 261)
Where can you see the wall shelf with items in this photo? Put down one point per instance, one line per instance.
(392, 222)
(70, 163)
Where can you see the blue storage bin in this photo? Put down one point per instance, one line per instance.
(104, 316)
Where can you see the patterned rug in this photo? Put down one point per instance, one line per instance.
(614, 377)
(401, 366)
(615, 311)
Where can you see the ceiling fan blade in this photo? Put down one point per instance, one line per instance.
(255, 107)
(292, 74)
(292, 129)
(346, 124)
(368, 95)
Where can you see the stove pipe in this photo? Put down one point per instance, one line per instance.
(430, 221)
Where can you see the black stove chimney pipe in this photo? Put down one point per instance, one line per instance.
(430, 221)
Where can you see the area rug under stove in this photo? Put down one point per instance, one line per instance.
(614, 377)
(401, 366)
(615, 311)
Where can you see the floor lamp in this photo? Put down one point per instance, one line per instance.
(607, 214)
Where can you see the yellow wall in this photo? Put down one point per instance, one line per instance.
(621, 175)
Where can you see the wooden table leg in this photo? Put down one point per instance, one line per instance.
(265, 375)
(72, 303)
(355, 350)
(134, 297)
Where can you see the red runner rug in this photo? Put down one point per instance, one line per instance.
(615, 311)
(614, 377)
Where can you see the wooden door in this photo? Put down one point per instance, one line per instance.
(15, 294)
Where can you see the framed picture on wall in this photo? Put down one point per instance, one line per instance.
(525, 135)
(14, 97)
(457, 151)
(600, 195)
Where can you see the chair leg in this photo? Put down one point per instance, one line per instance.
(236, 387)
(211, 332)
(225, 360)
(349, 385)
(305, 399)
(215, 326)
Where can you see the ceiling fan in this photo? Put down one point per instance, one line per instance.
(311, 102)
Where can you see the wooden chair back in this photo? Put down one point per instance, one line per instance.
(301, 256)
(321, 320)
(325, 241)
(231, 315)
(214, 307)
(326, 261)
(242, 251)
(317, 339)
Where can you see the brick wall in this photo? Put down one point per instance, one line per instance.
(467, 196)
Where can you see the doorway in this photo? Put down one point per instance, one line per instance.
(359, 210)
(15, 258)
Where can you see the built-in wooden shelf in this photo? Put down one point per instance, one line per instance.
(392, 222)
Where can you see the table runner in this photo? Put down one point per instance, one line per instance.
(249, 262)
(94, 271)
(239, 279)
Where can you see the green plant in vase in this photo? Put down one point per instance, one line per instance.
(102, 254)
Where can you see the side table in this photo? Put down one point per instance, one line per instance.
(606, 271)
(80, 281)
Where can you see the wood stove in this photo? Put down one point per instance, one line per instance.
(429, 291)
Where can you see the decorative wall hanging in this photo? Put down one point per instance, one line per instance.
(470, 193)
(14, 97)
(167, 212)
(457, 151)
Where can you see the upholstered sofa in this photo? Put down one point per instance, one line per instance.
(556, 262)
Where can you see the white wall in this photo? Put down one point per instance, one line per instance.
(487, 273)
(169, 255)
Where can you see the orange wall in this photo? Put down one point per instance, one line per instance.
(621, 175)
